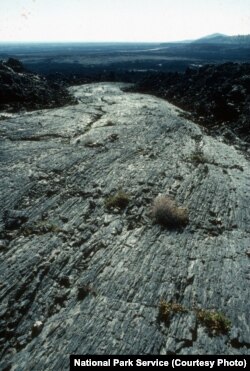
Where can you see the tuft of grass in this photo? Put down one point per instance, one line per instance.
(166, 212)
(166, 309)
(198, 158)
(215, 322)
(119, 200)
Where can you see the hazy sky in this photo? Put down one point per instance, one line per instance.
(121, 20)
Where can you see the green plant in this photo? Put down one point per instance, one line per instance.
(119, 200)
(166, 309)
(166, 212)
(215, 322)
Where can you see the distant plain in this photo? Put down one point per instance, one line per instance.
(126, 60)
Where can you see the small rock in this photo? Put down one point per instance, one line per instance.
(83, 291)
(3, 245)
(36, 328)
(64, 281)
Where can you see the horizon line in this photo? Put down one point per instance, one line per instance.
(109, 41)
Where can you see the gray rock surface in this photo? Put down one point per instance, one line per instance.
(79, 278)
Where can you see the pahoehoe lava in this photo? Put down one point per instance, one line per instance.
(80, 278)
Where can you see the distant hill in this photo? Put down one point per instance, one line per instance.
(218, 38)
(213, 36)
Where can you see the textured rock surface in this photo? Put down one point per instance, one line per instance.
(77, 277)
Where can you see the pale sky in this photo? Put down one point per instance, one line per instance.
(121, 20)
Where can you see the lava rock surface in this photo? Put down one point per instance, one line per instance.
(216, 96)
(80, 278)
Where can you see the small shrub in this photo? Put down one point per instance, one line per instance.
(167, 213)
(198, 158)
(215, 322)
(84, 291)
(119, 200)
(166, 309)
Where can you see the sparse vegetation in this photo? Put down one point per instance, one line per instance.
(166, 309)
(215, 322)
(40, 228)
(84, 291)
(166, 212)
(198, 157)
(119, 200)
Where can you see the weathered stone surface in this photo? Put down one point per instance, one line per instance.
(77, 277)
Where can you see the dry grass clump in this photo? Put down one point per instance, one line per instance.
(166, 212)
(166, 309)
(215, 322)
(119, 200)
